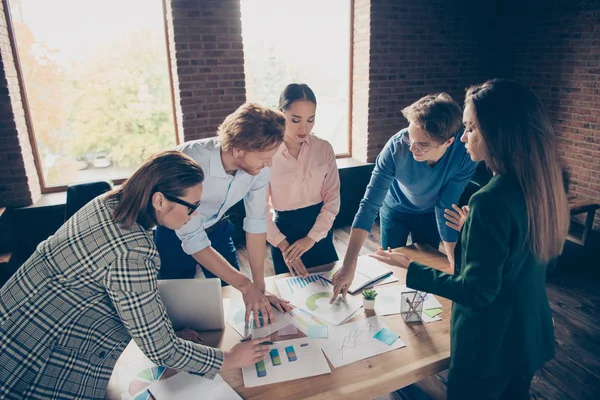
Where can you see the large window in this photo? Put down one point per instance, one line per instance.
(302, 42)
(97, 83)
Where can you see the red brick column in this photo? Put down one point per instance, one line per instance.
(207, 62)
(19, 182)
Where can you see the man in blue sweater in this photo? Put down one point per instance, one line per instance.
(421, 171)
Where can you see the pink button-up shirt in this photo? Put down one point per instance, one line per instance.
(309, 180)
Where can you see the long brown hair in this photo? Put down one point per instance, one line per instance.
(521, 143)
(169, 172)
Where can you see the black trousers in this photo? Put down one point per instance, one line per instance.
(296, 224)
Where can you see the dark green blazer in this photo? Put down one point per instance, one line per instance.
(501, 322)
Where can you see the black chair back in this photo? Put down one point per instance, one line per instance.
(80, 194)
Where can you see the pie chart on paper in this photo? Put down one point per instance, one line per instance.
(144, 378)
(321, 301)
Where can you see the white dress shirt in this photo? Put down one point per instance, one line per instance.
(220, 192)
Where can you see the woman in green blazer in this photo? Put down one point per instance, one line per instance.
(501, 326)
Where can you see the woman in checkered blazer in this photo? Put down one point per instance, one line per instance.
(72, 307)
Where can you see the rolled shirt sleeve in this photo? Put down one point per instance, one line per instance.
(255, 203)
(192, 235)
(331, 199)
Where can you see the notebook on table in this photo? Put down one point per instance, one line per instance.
(368, 272)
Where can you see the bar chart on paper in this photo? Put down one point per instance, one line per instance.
(288, 286)
(287, 360)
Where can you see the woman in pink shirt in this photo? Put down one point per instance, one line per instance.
(304, 190)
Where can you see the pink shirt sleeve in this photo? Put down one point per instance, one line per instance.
(331, 199)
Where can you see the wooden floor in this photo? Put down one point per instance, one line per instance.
(574, 294)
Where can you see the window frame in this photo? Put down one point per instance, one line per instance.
(28, 120)
(350, 83)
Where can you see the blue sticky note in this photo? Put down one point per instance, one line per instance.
(317, 331)
(386, 336)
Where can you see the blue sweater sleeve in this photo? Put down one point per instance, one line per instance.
(450, 194)
(382, 177)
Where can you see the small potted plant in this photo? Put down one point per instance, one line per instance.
(369, 298)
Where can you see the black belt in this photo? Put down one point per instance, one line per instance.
(211, 228)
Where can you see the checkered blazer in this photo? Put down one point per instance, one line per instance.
(70, 310)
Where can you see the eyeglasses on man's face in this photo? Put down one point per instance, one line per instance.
(417, 149)
(191, 207)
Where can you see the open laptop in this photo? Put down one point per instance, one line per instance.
(193, 303)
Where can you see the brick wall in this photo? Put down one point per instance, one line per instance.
(402, 51)
(19, 183)
(420, 47)
(208, 60)
(555, 50)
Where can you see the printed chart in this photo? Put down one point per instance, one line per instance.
(287, 360)
(312, 294)
(358, 340)
(235, 318)
(305, 321)
(135, 379)
(289, 286)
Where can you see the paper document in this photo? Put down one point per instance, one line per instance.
(184, 386)
(287, 360)
(237, 313)
(314, 298)
(288, 286)
(356, 341)
(368, 272)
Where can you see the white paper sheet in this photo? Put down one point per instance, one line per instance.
(368, 269)
(134, 379)
(314, 298)
(288, 286)
(385, 281)
(388, 300)
(427, 319)
(354, 341)
(235, 318)
(431, 302)
(304, 320)
(184, 386)
(288, 330)
(310, 361)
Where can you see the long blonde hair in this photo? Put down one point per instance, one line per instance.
(521, 143)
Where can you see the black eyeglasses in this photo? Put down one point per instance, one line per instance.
(192, 207)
